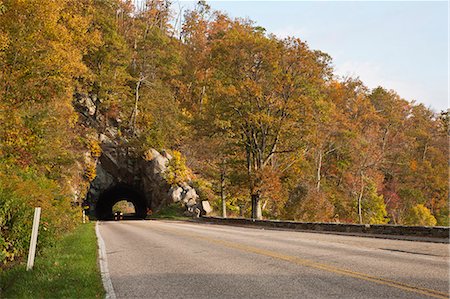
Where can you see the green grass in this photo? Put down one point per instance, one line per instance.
(66, 270)
(171, 212)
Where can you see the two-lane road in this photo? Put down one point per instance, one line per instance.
(163, 259)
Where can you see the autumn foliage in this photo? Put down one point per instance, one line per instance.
(300, 142)
(258, 121)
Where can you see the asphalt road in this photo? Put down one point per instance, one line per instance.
(163, 259)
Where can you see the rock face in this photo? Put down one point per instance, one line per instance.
(122, 174)
(118, 166)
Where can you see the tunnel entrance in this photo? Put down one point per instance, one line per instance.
(122, 174)
(117, 193)
(125, 207)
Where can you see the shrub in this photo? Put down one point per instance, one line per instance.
(90, 171)
(15, 225)
(373, 206)
(95, 149)
(420, 215)
(20, 192)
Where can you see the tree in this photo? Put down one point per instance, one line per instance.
(420, 215)
(260, 86)
(39, 145)
(108, 59)
(373, 206)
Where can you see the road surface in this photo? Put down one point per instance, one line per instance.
(164, 259)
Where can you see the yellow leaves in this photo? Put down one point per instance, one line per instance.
(222, 124)
(95, 149)
(259, 118)
(177, 172)
(4, 41)
(227, 90)
(90, 171)
(420, 215)
(252, 88)
(44, 58)
(77, 18)
(73, 119)
(186, 113)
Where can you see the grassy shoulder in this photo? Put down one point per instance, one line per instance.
(66, 270)
(171, 212)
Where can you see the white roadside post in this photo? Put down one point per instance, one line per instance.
(33, 241)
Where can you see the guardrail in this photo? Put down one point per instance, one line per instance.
(438, 233)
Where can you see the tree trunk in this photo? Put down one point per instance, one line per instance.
(319, 168)
(360, 199)
(133, 118)
(202, 96)
(383, 147)
(256, 207)
(222, 192)
(424, 151)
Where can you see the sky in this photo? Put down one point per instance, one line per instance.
(399, 45)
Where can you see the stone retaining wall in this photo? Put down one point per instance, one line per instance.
(439, 233)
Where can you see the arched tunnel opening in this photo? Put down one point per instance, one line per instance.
(117, 193)
(125, 207)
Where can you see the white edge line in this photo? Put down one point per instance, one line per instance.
(107, 284)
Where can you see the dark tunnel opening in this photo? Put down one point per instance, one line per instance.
(119, 192)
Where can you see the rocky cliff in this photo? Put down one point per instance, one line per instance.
(122, 173)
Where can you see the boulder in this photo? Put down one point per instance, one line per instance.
(175, 193)
(189, 194)
(158, 161)
(206, 207)
(85, 104)
(165, 154)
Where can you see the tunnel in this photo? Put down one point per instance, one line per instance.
(116, 193)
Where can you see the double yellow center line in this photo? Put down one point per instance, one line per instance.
(310, 264)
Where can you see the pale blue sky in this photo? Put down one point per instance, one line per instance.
(396, 44)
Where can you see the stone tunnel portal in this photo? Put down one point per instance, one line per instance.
(116, 193)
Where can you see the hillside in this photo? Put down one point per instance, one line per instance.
(255, 120)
